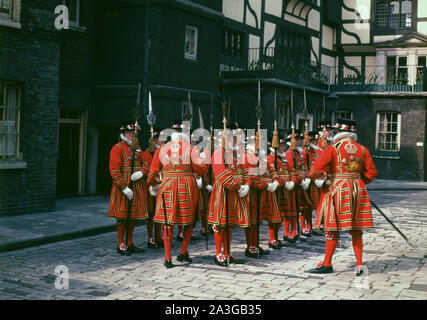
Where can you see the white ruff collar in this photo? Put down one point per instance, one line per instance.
(125, 139)
(180, 136)
(342, 135)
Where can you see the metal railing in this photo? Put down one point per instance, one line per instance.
(296, 67)
(376, 78)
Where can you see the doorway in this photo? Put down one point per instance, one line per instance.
(71, 145)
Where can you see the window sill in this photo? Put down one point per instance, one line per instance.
(7, 165)
(10, 23)
(77, 28)
(191, 59)
(386, 155)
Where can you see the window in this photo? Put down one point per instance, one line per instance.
(292, 49)
(10, 100)
(190, 43)
(301, 122)
(187, 111)
(283, 116)
(6, 8)
(397, 70)
(388, 132)
(394, 14)
(232, 46)
(74, 12)
(341, 115)
(420, 68)
(10, 13)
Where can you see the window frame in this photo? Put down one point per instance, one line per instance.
(187, 107)
(228, 49)
(189, 55)
(3, 104)
(387, 152)
(13, 19)
(334, 115)
(387, 30)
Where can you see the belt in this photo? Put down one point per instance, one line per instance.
(349, 175)
(172, 174)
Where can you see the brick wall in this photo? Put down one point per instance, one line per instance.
(30, 55)
(410, 165)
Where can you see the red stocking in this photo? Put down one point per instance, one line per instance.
(130, 233)
(168, 242)
(188, 232)
(121, 228)
(331, 244)
(357, 246)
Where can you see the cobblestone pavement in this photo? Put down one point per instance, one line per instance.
(96, 271)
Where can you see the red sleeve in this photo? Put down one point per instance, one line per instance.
(116, 166)
(272, 169)
(155, 167)
(222, 174)
(197, 163)
(146, 162)
(369, 171)
(291, 165)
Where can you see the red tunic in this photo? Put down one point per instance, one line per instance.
(229, 178)
(313, 190)
(120, 167)
(177, 161)
(351, 167)
(268, 205)
(151, 201)
(299, 171)
(286, 199)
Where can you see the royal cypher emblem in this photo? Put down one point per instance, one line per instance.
(352, 164)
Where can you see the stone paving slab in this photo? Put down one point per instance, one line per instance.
(97, 272)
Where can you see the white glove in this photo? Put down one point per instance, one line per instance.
(319, 182)
(209, 188)
(272, 186)
(136, 175)
(203, 155)
(153, 190)
(128, 193)
(305, 183)
(289, 185)
(199, 182)
(243, 190)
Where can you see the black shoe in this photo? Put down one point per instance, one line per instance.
(184, 257)
(204, 232)
(262, 251)
(135, 249)
(289, 239)
(179, 237)
(316, 233)
(232, 259)
(360, 271)
(275, 246)
(151, 245)
(250, 254)
(123, 250)
(221, 264)
(306, 234)
(296, 238)
(321, 269)
(168, 264)
(160, 244)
